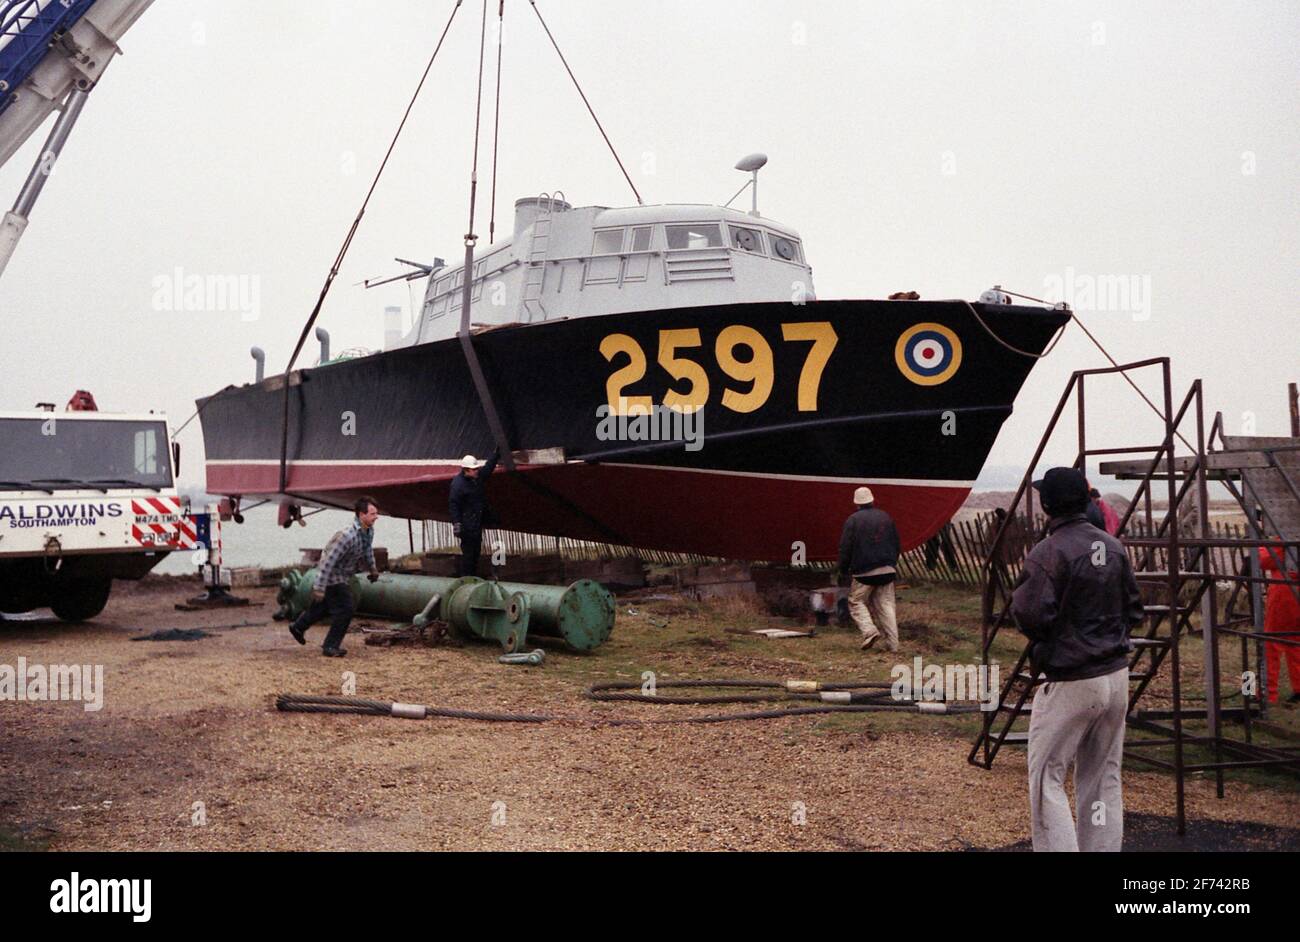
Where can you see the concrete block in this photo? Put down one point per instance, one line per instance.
(718, 590)
(440, 564)
(245, 577)
(542, 569)
(625, 572)
(795, 577)
(708, 575)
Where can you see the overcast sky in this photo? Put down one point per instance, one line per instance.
(936, 146)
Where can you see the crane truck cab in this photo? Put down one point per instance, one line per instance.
(86, 497)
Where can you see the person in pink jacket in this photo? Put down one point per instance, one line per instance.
(1107, 511)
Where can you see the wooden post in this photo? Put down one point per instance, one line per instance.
(1294, 396)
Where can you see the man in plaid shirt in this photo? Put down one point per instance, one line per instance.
(349, 551)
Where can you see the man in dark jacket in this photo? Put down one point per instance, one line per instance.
(868, 553)
(469, 509)
(1076, 600)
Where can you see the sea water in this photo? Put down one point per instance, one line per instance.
(259, 542)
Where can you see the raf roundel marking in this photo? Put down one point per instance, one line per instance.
(928, 354)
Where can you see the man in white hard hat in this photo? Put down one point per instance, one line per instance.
(868, 553)
(469, 509)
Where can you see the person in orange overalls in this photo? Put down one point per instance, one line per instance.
(1281, 613)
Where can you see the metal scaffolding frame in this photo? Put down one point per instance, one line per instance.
(1171, 555)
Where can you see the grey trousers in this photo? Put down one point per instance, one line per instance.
(1079, 722)
(872, 610)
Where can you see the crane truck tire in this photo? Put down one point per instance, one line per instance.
(81, 600)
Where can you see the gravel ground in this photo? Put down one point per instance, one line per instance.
(190, 753)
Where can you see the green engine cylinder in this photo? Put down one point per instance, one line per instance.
(581, 614)
(397, 595)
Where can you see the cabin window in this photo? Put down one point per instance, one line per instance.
(441, 286)
(608, 242)
(700, 236)
(146, 451)
(787, 249)
(747, 240)
(641, 238)
(459, 279)
(96, 452)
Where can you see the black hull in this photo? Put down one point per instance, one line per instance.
(875, 418)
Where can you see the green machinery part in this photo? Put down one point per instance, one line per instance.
(581, 614)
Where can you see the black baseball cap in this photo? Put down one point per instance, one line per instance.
(1063, 491)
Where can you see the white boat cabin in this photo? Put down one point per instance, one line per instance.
(579, 262)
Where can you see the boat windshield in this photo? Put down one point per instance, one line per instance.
(38, 452)
(702, 235)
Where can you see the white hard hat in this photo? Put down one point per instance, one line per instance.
(469, 461)
(863, 495)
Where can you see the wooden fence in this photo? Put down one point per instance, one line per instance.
(956, 555)
(438, 537)
(961, 561)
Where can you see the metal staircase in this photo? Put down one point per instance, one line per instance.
(1165, 621)
(1172, 560)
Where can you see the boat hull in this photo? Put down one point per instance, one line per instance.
(799, 404)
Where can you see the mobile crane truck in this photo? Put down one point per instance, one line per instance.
(86, 497)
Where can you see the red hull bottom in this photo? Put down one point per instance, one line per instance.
(737, 516)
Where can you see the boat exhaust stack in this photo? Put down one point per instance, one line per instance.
(259, 357)
(532, 208)
(323, 336)
(393, 325)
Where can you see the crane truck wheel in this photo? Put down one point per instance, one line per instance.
(82, 600)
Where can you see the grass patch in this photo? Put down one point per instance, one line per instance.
(679, 638)
(1282, 719)
(11, 841)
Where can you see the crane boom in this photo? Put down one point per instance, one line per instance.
(27, 28)
(52, 52)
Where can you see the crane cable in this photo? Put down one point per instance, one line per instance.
(343, 250)
(849, 697)
(590, 110)
(478, 115)
(1060, 331)
(1073, 318)
(296, 703)
(496, 123)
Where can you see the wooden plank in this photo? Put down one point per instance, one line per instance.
(1218, 464)
(539, 456)
(1256, 442)
(1269, 485)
